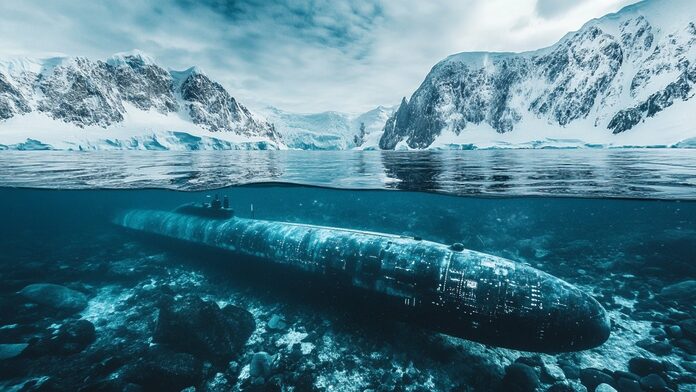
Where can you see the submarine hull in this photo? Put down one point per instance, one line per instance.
(463, 293)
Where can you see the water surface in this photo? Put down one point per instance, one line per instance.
(646, 173)
(620, 225)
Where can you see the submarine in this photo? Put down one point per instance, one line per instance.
(446, 288)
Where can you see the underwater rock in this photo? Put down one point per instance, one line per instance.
(70, 338)
(162, 370)
(570, 370)
(645, 366)
(11, 350)
(201, 328)
(519, 378)
(605, 388)
(565, 386)
(276, 322)
(689, 366)
(628, 385)
(621, 374)
(653, 382)
(219, 383)
(687, 345)
(682, 291)
(560, 387)
(658, 333)
(551, 372)
(111, 385)
(591, 378)
(261, 365)
(55, 296)
(657, 348)
(688, 328)
(533, 361)
(674, 331)
(43, 383)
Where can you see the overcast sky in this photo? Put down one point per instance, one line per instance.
(298, 55)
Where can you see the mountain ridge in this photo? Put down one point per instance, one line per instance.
(616, 72)
(329, 130)
(111, 100)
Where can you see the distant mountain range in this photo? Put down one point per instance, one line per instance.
(330, 130)
(130, 102)
(125, 102)
(626, 79)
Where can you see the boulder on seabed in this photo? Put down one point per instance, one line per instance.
(70, 338)
(276, 323)
(628, 385)
(591, 378)
(55, 296)
(201, 328)
(674, 331)
(11, 350)
(658, 348)
(688, 328)
(682, 291)
(551, 372)
(605, 388)
(163, 370)
(261, 364)
(560, 387)
(519, 378)
(652, 382)
(645, 366)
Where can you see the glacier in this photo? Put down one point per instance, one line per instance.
(329, 130)
(622, 80)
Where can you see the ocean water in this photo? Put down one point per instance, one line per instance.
(135, 312)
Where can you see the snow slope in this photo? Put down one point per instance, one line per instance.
(626, 79)
(125, 102)
(328, 130)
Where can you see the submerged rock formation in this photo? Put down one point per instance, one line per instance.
(203, 329)
(55, 296)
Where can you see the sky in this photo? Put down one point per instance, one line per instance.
(297, 55)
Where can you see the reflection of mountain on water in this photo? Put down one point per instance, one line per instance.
(199, 170)
(657, 173)
(415, 171)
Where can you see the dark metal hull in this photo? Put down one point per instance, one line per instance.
(464, 293)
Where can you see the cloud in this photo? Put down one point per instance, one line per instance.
(551, 8)
(303, 55)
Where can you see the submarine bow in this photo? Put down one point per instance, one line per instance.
(460, 292)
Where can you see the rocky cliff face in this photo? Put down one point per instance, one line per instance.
(210, 105)
(87, 93)
(613, 74)
(12, 101)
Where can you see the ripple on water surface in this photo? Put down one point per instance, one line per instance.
(647, 173)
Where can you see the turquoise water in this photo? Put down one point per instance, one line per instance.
(641, 173)
(629, 250)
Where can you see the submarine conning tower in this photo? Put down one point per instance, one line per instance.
(449, 289)
(215, 209)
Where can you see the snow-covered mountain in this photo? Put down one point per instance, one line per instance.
(329, 130)
(125, 102)
(626, 79)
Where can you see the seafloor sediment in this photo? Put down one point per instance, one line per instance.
(131, 315)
